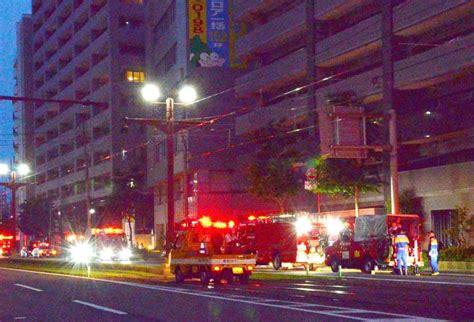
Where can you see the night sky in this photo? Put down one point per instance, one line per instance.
(12, 11)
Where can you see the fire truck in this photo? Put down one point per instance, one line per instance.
(6, 244)
(203, 250)
(283, 241)
(110, 244)
(367, 242)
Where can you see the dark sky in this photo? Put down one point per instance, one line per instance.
(12, 11)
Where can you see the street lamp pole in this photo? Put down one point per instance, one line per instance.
(170, 168)
(13, 185)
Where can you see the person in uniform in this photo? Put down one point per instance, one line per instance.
(402, 242)
(433, 253)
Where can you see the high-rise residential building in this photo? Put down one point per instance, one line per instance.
(350, 51)
(88, 50)
(302, 56)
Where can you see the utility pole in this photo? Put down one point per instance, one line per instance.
(87, 180)
(388, 46)
(185, 170)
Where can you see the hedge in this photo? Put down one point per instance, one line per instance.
(465, 254)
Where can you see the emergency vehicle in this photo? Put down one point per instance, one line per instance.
(283, 241)
(110, 244)
(6, 244)
(367, 242)
(203, 249)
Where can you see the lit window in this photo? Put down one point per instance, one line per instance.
(135, 77)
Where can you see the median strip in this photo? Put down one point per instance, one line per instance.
(100, 307)
(29, 287)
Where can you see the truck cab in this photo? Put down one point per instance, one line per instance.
(203, 249)
(367, 243)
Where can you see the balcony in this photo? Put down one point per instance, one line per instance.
(419, 71)
(275, 32)
(287, 109)
(281, 72)
(246, 9)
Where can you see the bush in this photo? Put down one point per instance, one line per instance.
(457, 254)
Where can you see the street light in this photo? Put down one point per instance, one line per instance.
(22, 170)
(187, 95)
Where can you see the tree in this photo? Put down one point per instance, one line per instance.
(271, 174)
(348, 177)
(35, 216)
(461, 225)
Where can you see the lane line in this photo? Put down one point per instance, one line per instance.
(407, 281)
(100, 307)
(245, 300)
(20, 318)
(29, 287)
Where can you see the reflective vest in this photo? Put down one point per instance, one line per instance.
(402, 242)
(433, 247)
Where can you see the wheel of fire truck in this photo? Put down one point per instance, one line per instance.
(228, 276)
(244, 278)
(204, 276)
(178, 275)
(368, 265)
(335, 265)
(276, 262)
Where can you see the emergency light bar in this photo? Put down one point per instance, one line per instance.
(3, 237)
(107, 231)
(206, 222)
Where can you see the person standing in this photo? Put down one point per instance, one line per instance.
(433, 253)
(402, 242)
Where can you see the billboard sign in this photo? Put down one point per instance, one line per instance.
(211, 33)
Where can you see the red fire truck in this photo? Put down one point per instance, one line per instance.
(367, 242)
(6, 243)
(282, 241)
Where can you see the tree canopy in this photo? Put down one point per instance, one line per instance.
(34, 217)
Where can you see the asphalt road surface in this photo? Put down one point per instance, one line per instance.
(34, 296)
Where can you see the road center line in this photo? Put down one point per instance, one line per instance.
(99, 307)
(408, 280)
(29, 287)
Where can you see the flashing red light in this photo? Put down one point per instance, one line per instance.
(34, 245)
(206, 222)
(231, 224)
(220, 224)
(252, 218)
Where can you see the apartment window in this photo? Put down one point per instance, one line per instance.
(135, 77)
(168, 61)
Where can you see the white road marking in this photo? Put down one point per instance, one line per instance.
(246, 300)
(20, 318)
(99, 307)
(408, 280)
(29, 287)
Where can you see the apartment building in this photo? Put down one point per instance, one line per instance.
(356, 47)
(88, 50)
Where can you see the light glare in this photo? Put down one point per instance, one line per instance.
(4, 169)
(303, 226)
(151, 93)
(187, 94)
(23, 169)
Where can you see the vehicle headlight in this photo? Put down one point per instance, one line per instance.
(82, 253)
(106, 254)
(125, 254)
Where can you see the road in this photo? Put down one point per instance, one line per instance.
(47, 297)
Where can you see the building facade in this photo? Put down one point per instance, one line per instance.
(87, 51)
(357, 48)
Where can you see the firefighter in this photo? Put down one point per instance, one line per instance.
(402, 242)
(433, 253)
